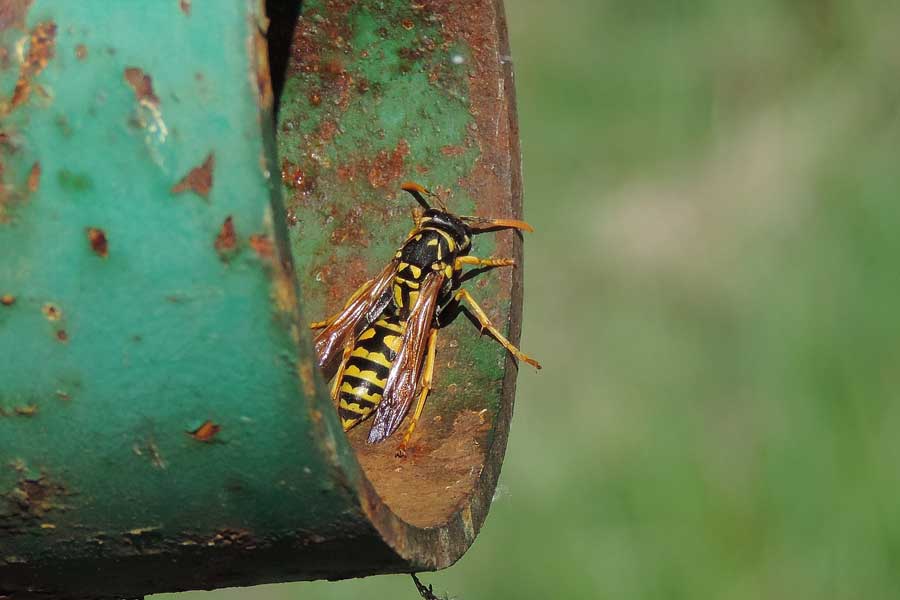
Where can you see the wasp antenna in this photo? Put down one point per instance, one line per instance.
(417, 190)
(484, 224)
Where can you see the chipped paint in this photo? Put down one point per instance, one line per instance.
(12, 14)
(34, 177)
(97, 239)
(226, 241)
(199, 180)
(206, 432)
(41, 48)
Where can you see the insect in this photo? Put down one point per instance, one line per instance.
(380, 348)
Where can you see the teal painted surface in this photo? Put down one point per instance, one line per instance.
(161, 334)
(116, 347)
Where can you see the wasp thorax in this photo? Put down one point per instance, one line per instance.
(456, 228)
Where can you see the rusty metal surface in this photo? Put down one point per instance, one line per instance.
(161, 424)
(377, 93)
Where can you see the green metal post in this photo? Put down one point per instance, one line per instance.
(161, 424)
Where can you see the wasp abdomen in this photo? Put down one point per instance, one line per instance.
(365, 375)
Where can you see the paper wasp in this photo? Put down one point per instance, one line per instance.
(380, 348)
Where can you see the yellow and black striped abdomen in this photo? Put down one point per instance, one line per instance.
(365, 375)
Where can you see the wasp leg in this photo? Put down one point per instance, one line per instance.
(484, 262)
(417, 214)
(426, 387)
(330, 320)
(486, 324)
(340, 373)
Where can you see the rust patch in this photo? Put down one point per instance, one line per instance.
(41, 48)
(34, 177)
(284, 295)
(452, 150)
(259, 51)
(12, 14)
(97, 239)
(307, 379)
(294, 176)
(382, 171)
(199, 180)
(438, 474)
(81, 52)
(226, 241)
(52, 312)
(233, 537)
(62, 335)
(142, 84)
(352, 229)
(151, 451)
(28, 410)
(387, 167)
(327, 130)
(185, 6)
(32, 499)
(262, 245)
(7, 299)
(206, 432)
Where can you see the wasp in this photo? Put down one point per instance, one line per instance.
(380, 348)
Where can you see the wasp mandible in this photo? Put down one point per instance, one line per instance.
(380, 348)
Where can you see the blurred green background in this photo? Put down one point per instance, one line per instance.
(712, 290)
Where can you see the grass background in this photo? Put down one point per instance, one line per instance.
(713, 291)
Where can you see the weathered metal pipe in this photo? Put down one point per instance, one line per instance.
(162, 426)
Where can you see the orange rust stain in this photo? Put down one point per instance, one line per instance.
(205, 432)
(327, 130)
(407, 24)
(382, 171)
(34, 177)
(262, 245)
(199, 180)
(260, 51)
(352, 229)
(52, 312)
(12, 14)
(226, 241)
(81, 52)
(452, 150)
(307, 379)
(142, 84)
(283, 293)
(41, 49)
(185, 6)
(36, 497)
(387, 167)
(293, 176)
(98, 241)
(28, 410)
(62, 335)
(7, 299)
(291, 217)
(315, 98)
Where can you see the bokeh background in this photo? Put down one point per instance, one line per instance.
(713, 291)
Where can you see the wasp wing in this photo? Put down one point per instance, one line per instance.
(361, 311)
(403, 378)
